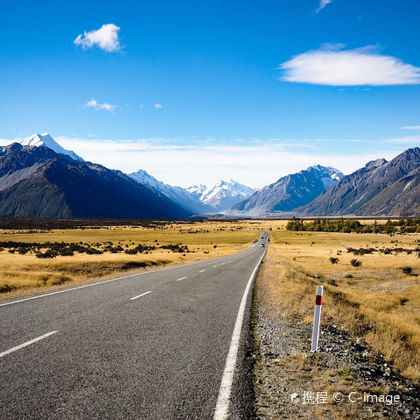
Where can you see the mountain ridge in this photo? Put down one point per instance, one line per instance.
(35, 181)
(46, 140)
(370, 190)
(224, 194)
(179, 195)
(288, 192)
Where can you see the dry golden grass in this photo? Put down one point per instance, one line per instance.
(22, 273)
(376, 300)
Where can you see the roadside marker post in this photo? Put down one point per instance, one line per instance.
(317, 318)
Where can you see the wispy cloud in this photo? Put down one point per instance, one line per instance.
(106, 38)
(256, 163)
(331, 65)
(411, 127)
(408, 140)
(92, 103)
(157, 106)
(322, 4)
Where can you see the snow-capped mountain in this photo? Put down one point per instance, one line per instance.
(223, 195)
(179, 195)
(379, 188)
(197, 190)
(145, 178)
(199, 199)
(328, 175)
(38, 182)
(47, 141)
(289, 192)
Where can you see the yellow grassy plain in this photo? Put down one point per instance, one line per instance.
(25, 273)
(376, 300)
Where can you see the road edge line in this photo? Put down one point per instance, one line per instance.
(223, 400)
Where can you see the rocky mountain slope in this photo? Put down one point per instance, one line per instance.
(38, 182)
(47, 141)
(289, 192)
(222, 196)
(380, 188)
(179, 195)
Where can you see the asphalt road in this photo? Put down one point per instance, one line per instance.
(148, 346)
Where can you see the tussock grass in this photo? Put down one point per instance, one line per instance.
(377, 300)
(26, 272)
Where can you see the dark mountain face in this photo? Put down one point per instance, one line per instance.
(37, 182)
(290, 191)
(381, 188)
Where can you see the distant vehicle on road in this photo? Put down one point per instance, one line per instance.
(262, 245)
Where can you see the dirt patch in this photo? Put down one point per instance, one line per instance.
(343, 380)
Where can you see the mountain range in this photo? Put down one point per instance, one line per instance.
(199, 199)
(179, 195)
(221, 196)
(289, 192)
(46, 140)
(39, 178)
(380, 188)
(35, 181)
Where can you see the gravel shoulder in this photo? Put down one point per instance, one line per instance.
(345, 379)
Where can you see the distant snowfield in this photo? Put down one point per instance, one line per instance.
(199, 198)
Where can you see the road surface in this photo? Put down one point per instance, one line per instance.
(156, 345)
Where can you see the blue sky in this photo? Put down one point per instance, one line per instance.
(193, 91)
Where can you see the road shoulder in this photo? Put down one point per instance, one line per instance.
(290, 382)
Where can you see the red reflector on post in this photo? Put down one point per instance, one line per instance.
(317, 318)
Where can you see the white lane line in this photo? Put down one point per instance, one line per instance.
(222, 406)
(112, 280)
(182, 278)
(28, 343)
(143, 294)
(214, 266)
(202, 271)
(106, 281)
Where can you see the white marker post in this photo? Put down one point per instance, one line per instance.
(317, 318)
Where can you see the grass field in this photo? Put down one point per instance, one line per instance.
(377, 296)
(374, 290)
(172, 243)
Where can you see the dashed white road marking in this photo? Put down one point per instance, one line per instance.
(181, 278)
(143, 294)
(28, 343)
(202, 271)
(102, 282)
(214, 266)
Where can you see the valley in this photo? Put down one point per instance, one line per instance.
(35, 259)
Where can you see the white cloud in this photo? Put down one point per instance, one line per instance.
(158, 106)
(411, 127)
(252, 162)
(106, 38)
(333, 66)
(409, 140)
(256, 163)
(322, 4)
(94, 104)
